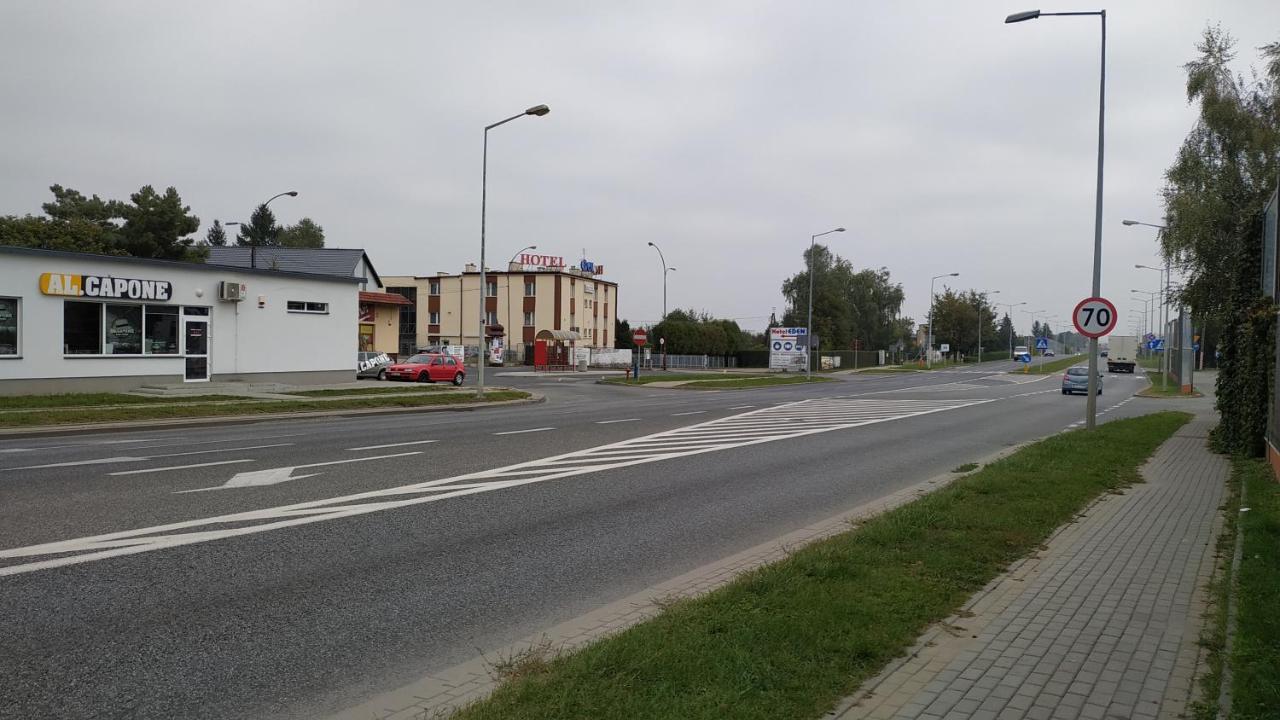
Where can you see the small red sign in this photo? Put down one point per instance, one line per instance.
(640, 336)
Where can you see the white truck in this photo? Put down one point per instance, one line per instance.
(1122, 353)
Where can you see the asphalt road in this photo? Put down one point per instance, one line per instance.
(253, 607)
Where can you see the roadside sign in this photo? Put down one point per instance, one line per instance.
(944, 348)
(788, 348)
(1159, 344)
(1023, 358)
(1094, 317)
(640, 336)
(1042, 343)
(1195, 347)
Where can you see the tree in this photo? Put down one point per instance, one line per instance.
(622, 334)
(159, 226)
(846, 304)
(216, 235)
(955, 320)
(42, 232)
(305, 234)
(1006, 332)
(261, 230)
(1214, 192)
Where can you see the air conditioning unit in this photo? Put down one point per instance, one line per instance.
(231, 291)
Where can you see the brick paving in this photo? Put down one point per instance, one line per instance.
(1102, 624)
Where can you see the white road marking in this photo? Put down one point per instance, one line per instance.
(272, 476)
(73, 463)
(219, 450)
(178, 467)
(610, 422)
(691, 412)
(379, 447)
(637, 451)
(742, 407)
(530, 430)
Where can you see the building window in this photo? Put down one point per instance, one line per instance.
(491, 318)
(9, 309)
(433, 287)
(434, 318)
(491, 288)
(528, 319)
(161, 323)
(123, 330)
(81, 328)
(530, 288)
(315, 308)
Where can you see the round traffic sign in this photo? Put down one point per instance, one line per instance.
(1094, 317)
(640, 336)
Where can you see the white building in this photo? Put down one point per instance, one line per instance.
(77, 322)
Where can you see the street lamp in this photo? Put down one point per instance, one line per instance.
(928, 351)
(1032, 334)
(662, 258)
(253, 245)
(1150, 300)
(981, 296)
(538, 111)
(808, 338)
(1164, 306)
(1009, 312)
(1091, 408)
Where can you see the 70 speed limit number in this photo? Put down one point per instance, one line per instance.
(1094, 317)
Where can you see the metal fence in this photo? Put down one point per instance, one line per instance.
(689, 362)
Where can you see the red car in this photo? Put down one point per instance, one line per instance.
(429, 367)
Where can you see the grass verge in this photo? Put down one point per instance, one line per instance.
(64, 400)
(1053, 366)
(1213, 637)
(1155, 390)
(659, 376)
(793, 638)
(752, 382)
(381, 390)
(164, 412)
(1255, 657)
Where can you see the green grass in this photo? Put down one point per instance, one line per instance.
(660, 376)
(752, 382)
(791, 639)
(380, 390)
(967, 467)
(1255, 658)
(161, 412)
(1054, 366)
(35, 402)
(1174, 389)
(892, 369)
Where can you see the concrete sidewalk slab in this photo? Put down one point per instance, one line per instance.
(1102, 624)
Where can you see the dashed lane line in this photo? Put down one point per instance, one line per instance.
(388, 445)
(710, 436)
(691, 412)
(610, 422)
(520, 432)
(179, 467)
(141, 458)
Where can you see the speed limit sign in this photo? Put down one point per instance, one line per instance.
(1094, 317)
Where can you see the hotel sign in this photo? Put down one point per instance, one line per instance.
(557, 262)
(104, 286)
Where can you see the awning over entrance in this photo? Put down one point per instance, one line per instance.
(558, 335)
(381, 298)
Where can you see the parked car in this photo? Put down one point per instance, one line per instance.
(1076, 379)
(429, 367)
(372, 365)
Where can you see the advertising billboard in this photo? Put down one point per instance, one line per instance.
(788, 348)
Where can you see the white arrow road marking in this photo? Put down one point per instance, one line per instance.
(273, 476)
(379, 447)
(178, 467)
(844, 413)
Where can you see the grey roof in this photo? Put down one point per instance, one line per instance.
(182, 264)
(341, 262)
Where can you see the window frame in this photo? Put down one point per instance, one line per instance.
(531, 288)
(17, 328)
(433, 288)
(491, 285)
(306, 308)
(529, 319)
(433, 317)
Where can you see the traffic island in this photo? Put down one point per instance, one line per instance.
(792, 638)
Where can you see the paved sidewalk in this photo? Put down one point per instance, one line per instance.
(1102, 624)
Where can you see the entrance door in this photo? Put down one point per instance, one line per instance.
(195, 346)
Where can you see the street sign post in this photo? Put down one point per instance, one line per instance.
(1042, 343)
(1094, 317)
(640, 336)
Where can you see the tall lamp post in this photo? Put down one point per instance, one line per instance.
(1091, 411)
(928, 350)
(1009, 313)
(1164, 295)
(662, 258)
(1031, 336)
(536, 110)
(808, 339)
(980, 304)
(511, 318)
(253, 246)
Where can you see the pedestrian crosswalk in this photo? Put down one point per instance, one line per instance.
(770, 424)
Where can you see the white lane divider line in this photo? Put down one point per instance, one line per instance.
(580, 462)
(272, 476)
(219, 450)
(140, 458)
(610, 422)
(519, 432)
(742, 407)
(691, 412)
(389, 445)
(178, 467)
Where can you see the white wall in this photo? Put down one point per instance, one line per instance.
(243, 337)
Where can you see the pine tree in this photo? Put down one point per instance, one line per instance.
(216, 235)
(261, 230)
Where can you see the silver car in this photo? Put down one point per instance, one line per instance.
(1076, 379)
(372, 365)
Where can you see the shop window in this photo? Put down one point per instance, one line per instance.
(528, 319)
(434, 318)
(9, 327)
(530, 288)
(161, 324)
(81, 328)
(123, 330)
(315, 308)
(366, 338)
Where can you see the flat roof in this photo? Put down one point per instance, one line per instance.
(172, 264)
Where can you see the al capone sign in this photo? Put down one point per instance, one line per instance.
(104, 286)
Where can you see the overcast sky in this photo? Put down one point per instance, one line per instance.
(728, 133)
